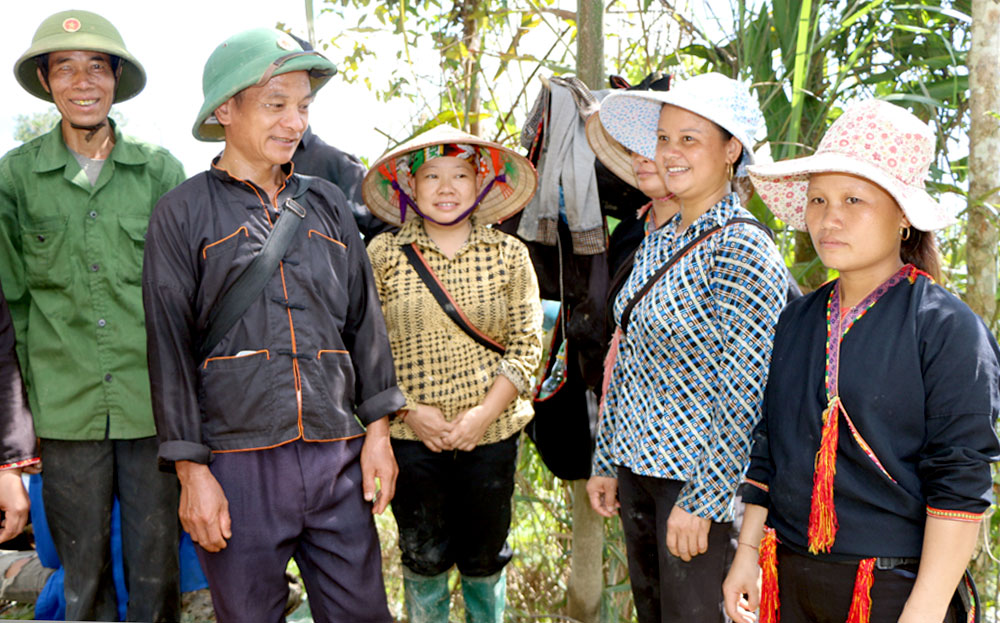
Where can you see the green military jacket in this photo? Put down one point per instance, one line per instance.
(71, 268)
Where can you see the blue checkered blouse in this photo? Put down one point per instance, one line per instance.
(686, 390)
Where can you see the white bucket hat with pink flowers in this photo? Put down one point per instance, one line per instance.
(873, 139)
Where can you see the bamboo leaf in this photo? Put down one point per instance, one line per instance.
(800, 73)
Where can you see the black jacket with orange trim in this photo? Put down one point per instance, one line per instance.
(310, 358)
(18, 446)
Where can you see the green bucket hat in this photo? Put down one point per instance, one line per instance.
(79, 30)
(249, 58)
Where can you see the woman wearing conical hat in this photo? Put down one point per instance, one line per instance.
(464, 317)
(871, 465)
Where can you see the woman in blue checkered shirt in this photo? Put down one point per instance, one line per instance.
(685, 391)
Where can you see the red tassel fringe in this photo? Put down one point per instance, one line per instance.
(768, 561)
(822, 514)
(861, 601)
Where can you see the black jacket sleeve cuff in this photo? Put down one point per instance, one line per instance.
(754, 494)
(172, 451)
(381, 404)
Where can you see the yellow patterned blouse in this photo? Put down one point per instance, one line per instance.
(438, 364)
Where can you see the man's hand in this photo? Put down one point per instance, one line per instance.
(430, 426)
(14, 503)
(603, 494)
(687, 534)
(468, 428)
(204, 509)
(377, 461)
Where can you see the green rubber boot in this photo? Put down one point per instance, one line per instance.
(485, 598)
(426, 597)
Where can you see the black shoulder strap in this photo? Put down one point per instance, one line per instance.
(248, 286)
(646, 287)
(445, 301)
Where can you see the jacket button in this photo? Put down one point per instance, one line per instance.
(95, 267)
(41, 238)
(107, 377)
(102, 322)
(93, 214)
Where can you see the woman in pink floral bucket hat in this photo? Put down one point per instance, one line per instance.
(695, 321)
(870, 470)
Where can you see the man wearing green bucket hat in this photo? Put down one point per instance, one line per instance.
(270, 366)
(74, 207)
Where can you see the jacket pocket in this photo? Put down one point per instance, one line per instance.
(338, 375)
(42, 245)
(131, 249)
(225, 244)
(235, 395)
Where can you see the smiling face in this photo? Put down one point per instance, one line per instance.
(649, 181)
(265, 123)
(444, 188)
(854, 224)
(693, 156)
(82, 85)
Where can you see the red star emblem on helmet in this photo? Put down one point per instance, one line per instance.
(71, 24)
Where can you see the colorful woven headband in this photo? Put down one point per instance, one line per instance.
(454, 150)
(493, 169)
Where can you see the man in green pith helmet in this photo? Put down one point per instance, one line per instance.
(277, 421)
(74, 208)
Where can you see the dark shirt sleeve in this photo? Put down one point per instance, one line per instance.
(17, 431)
(756, 487)
(168, 286)
(756, 484)
(961, 378)
(366, 338)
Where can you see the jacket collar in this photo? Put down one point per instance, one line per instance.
(413, 231)
(288, 169)
(54, 154)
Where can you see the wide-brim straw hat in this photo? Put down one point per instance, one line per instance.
(721, 100)
(514, 188)
(873, 139)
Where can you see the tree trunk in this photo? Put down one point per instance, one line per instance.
(984, 145)
(984, 179)
(590, 43)
(471, 39)
(586, 579)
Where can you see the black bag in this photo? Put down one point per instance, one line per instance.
(563, 438)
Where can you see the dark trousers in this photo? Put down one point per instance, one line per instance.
(301, 500)
(664, 587)
(80, 481)
(812, 590)
(453, 507)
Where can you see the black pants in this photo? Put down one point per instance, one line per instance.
(454, 507)
(80, 481)
(301, 500)
(819, 591)
(664, 587)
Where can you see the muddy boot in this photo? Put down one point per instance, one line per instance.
(426, 597)
(485, 598)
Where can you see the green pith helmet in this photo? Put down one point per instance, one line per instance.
(79, 30)
(246, 59)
